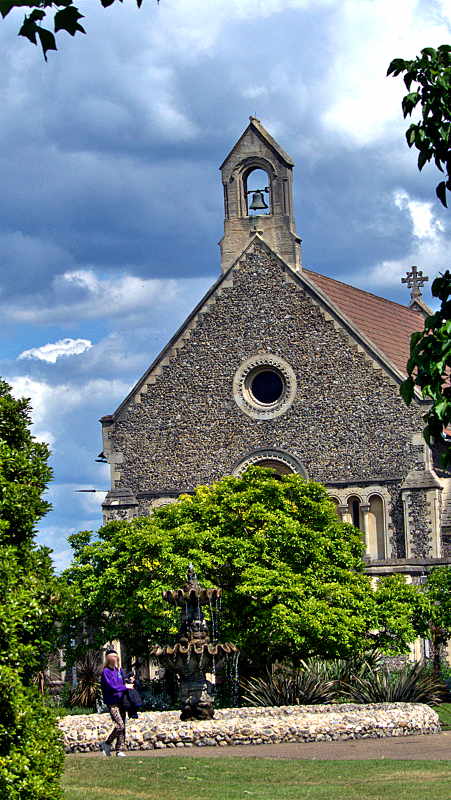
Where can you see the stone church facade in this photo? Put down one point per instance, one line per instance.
(283, 367)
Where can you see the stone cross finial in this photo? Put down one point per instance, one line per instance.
(414, 280)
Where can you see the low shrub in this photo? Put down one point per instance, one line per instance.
(413, 683)
(31, 752)
(288, 687)
(341, 670)
(359, 680)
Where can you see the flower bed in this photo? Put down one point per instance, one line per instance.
(233, 726)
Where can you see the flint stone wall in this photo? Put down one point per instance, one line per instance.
(346, 424)
(240, 726)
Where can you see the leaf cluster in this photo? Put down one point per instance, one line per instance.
(430, 75)
(290, 571)
(437, 591)
(66, 18)
(429, 367)
(31, 752)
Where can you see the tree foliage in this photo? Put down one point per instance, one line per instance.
(28, 588)
(429, 368)
(66, 17)
(428, 82)
(30, 752)
(437, 611)
(291, 573)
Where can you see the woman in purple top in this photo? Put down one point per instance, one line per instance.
(113, 689)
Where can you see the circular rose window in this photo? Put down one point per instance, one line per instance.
(264, 386)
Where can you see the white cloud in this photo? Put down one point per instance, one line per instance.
(81, 294)
(364, 103)
(429, 250)
(51, 404)
(194, 27)
(425, 225)
(53, 350)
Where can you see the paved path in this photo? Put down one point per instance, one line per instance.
(433, 747)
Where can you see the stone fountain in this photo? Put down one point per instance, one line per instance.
(195, 658)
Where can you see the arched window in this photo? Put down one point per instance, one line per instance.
(257, 191)
(278, 460)
(376, 527)
(336, 503)
(354, 510)
(277, 466)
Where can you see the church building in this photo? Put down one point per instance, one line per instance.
(282, 367)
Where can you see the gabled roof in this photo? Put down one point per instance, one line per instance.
(261, 131)
(381, 325)
(387, 324)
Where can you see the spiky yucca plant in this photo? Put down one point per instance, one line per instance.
(288, 687)
(87, 689)
(342, 671)
(414, 683)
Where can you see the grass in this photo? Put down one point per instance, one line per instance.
(229, 778)
(64, 711)
(444, 712)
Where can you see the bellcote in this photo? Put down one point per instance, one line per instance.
(251, 208)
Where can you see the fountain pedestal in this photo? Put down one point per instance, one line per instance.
(195, 656)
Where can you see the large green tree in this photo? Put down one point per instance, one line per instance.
(291, 573)
(30, 749)
(66, 17)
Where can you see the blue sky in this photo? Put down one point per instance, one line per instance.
(112, 205)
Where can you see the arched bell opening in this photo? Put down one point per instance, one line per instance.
(257, 192)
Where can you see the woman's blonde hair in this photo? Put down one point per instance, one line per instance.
(110, 655)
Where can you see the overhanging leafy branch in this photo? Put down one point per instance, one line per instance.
(430, 75)
(66, 17)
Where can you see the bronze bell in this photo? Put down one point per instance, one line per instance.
(258, 201)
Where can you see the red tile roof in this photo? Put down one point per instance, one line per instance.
(386, 324)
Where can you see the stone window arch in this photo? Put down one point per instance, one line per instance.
(354, 503)
(281, 462)
(375, 504)
(337, 505)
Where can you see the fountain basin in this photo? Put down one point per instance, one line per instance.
(233, 726)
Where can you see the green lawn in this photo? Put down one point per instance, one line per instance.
(444, 712)
(228, 778)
